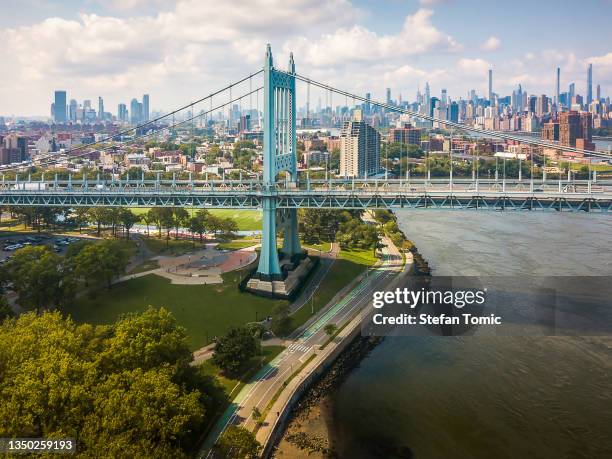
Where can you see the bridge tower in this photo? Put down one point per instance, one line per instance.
(280, 155)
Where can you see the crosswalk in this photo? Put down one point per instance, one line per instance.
(298, 347)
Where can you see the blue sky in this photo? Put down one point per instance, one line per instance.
(178, 51)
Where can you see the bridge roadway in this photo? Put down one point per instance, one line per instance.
(483, 194)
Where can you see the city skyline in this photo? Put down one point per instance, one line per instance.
(75, 46)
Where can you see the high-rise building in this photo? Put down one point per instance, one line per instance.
(575, 130)
(145, 107)
(589, 89)
(542, 105)
(491, 86)
(135, 112)
(59, 107)
(100, 108)
(453, 112)
(122, 113)
(72, 111)
(359, 149)
(571, 92)
(367, 103)
(533, 100)
(14, 149)
(406, 135)
(388, 96)
(558, 86)
(598, 92)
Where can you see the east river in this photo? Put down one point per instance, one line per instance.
(487, 396)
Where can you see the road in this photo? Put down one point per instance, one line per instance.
(264, 386)
(327, 261)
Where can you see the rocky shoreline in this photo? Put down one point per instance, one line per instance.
(307, 431)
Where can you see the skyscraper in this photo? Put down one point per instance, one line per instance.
(59, 107)
(491, 86)
(558, 86)
(135, 111)
(72, 112)
(145, 107)
(122, 114)
(598, 92)
(389, 96)
(359, 149)
(589, 91)
(100, 108)
(571, 93)
(367, 103)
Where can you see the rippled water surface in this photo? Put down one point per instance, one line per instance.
(487, 397)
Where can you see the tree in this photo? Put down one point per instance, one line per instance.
(37, 277)
(147, 340)
(128, 219)
(180, 217)
(238, 443)
(146, 218)
(5, 309)
(330, 329)
(281, 320)
(234, 349)
(82, 214)
(155, 215)
(98, 215)
(198, 223)
(101, 262)
(56, 381)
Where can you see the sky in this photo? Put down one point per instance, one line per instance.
(178, 51)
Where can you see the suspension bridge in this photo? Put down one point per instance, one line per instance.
(280, 191)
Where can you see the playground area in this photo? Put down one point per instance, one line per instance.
(202, 266)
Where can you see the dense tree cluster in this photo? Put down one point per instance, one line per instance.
(43, 279)
(235, 349)
(124, 390)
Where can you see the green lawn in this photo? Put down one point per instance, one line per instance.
(323, 247)
(172, 246)
(237, 244)
(247, 220)
(348, 266)
(204, 310)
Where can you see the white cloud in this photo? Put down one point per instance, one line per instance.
(473, 67)
(492, 44)
(358, 44)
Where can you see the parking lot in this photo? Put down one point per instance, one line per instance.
(9, 244)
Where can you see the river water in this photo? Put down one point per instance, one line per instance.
(487, 396)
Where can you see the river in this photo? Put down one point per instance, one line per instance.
(486, 396)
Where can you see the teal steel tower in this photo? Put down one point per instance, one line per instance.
(280, 155)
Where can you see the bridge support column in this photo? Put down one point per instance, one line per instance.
(269, 267)
(291, 243)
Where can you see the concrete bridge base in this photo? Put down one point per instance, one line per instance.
(287, 284)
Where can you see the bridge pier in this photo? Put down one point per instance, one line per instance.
(274, 277)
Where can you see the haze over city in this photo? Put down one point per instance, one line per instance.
(181, 50)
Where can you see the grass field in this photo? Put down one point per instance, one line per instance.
(247, 220)
(238, 244)
(349, 265)
(204, 310)
(323, 247)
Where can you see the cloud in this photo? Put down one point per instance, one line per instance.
(492, 44)
(473, 67)
(358, 44)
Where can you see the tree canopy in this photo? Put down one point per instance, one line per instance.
(235, 349)
(121, 389)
